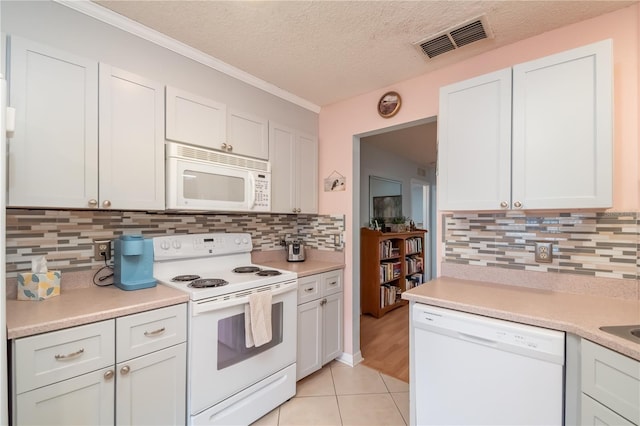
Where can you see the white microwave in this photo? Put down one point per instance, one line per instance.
(206, 180)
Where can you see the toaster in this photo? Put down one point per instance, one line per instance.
(295, 251)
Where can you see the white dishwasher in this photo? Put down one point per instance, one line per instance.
(473, 370)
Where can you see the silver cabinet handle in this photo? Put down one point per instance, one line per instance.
(154, 332)
(323, 302)
(106, 203)
(517, 204)
(230, 148)
(332, 283)
(308, 290)
(69, 356)
(504, 204)
(93, 202)
(108, 374)
(224, 146)
(125, 370)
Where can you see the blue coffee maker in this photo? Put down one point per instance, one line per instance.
(133, 263)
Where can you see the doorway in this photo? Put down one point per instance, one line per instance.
(391, 154)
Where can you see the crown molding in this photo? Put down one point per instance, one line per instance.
(111, 18)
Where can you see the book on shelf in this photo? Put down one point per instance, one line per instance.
(389, 294)
(387, 249)
(413, 245)
(414, 264)
(413, 280)
(390, 271)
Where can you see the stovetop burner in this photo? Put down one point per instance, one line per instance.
(268, 273)
(246, 269)
(184, 278)
(208, 282)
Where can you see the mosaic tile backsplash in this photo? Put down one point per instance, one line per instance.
(594, 244)
(66, 237)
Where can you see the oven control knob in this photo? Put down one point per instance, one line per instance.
(165, 245)
(245, 241)
(176, 244)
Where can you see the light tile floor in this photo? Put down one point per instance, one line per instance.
(343, 395)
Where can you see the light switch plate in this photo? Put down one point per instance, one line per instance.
(544, 252)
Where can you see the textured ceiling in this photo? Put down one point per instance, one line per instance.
(327, 51)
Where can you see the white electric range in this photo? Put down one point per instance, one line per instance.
(224, 376)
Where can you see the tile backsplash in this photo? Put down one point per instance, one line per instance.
(587, 243)
(66, 237)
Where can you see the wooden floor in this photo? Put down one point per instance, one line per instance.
(384, 342)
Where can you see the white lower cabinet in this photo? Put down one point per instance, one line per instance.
(73, 377)
(320, 310)
(151, 389)
(610, 387)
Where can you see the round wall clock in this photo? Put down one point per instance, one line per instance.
(389, 104)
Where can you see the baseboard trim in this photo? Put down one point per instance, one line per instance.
(350, 360)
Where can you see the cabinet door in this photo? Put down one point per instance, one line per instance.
(151, 389)
(282, 158)
(562, 129)
(195, 120)
(594, 413)
(82, 400)
(474, 143)
(309, 356)
(131, 141)
(332, 327)
(612, 379)
(306, 173)
(247, 134)
(53, 153)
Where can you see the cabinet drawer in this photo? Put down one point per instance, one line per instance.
(308, 288)
(59, 355)
(594, 413)
(612, 379)
(331, 282)
(150, 331)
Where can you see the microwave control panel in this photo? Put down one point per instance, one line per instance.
(263, 192)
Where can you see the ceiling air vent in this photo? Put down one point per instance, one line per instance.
(453, 38)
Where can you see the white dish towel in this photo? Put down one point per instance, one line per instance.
(257, 319)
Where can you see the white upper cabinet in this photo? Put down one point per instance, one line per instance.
(53, 153)
(294, 170)
(196, 120)
(59, 156)
(247, 134)
(563, 130)
(474, 143)
(538, 136)
(131, 141)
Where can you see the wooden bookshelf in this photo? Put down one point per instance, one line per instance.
(390, 263)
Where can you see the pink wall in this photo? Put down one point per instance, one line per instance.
(341, 121)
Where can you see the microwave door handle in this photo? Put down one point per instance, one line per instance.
(252, 183)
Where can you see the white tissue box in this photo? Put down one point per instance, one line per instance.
(38, 286)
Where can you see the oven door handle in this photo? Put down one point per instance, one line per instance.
(217, 303)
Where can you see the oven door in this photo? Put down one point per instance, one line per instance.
(220, 364)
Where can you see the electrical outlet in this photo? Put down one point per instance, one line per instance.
(336, 239)
(102, 250)
(544, 252)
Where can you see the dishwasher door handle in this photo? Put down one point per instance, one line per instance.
(477, 339)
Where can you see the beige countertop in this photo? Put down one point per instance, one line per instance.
(573, 313)
(308, 267)
(84, 305)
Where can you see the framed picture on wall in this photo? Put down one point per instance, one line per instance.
(387, 206)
